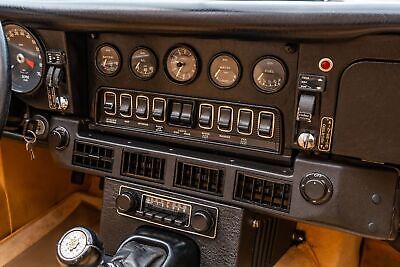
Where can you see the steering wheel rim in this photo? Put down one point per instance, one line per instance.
(5, 80)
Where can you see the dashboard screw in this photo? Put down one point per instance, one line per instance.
(291, 48)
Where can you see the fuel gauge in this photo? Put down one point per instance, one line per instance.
(143, 63)
(269, 74)
(108, 60)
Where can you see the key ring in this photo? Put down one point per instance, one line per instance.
(28, 140)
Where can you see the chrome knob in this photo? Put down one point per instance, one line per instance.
(306, 141)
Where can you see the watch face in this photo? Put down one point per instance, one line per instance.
(73, 245)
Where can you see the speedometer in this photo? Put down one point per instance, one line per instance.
(26, 58)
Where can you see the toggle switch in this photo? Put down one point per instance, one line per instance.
(225, 118)
(266, 124)
(159, 106)
(245, 121)
(142, 107)
(125, 106)
(206, 116)
(305, 109)
(109, 104)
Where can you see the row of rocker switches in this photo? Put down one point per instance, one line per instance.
(142, 106)
(245, 120)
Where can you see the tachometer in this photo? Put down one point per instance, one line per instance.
(26, 58)
(182, 64)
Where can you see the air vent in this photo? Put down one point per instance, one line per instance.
(93, 156)
(199, 178)
(262, 191)
(140, 165)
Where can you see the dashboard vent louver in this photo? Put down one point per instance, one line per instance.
(93, 156)
(143, 166)
(199, 178)
(263, 192)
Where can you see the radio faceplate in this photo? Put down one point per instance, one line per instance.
(182, 215)
(245, 126)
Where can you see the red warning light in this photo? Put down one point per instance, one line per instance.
(325, 64)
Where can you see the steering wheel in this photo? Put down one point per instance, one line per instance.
(5, 81)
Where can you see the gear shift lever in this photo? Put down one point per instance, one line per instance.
(149, 246)
(79, 247)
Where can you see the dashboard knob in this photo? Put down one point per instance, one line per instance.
(201, 221)
(316, 188)
(306, 141)
(126, 202)
(59, 138)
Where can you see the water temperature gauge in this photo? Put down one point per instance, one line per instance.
(143, 63)
(269, 75)
(108, 60)
(225, 71)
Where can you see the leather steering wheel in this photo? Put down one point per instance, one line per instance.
(5, 81)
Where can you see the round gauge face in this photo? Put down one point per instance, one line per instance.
(73, 245)
(182, 64)
(225, 71)
(108, 60)
(144, 63)
(269, 75)
(26, 58)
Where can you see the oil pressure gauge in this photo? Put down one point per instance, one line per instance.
(269, 75)
(225, 71)
(108, 60)
(182, 64)
(143, 63)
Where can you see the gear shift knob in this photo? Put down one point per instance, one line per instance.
(79, 246)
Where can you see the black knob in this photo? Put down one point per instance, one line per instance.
(316, 188)
(126, 202)
(59, 138)
(201, 221)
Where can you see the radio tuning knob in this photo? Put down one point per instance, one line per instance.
(201, 221)
(126, 202)
(306, 141)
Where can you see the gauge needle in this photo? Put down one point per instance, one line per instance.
(30, 63)
(216, 74)
(137, 66)
(105, 62)
(179, 71)
(259, 77)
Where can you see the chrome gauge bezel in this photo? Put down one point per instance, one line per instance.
(155, 67)
(119, 59)
(237, 63)
(281, 62)
(42, 49)
(194, 54)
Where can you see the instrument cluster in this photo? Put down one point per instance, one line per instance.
(182, 66)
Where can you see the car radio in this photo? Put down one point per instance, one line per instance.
(182, 215)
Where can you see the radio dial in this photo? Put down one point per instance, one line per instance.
(126, 202)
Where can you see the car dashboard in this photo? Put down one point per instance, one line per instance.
(203, 115)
